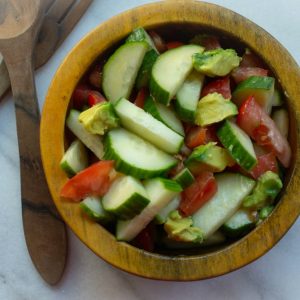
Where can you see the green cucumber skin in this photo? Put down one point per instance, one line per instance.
(185, 178)
(232, 231)
(66, 168)
(129, 169)
(103, 217)
(183, 113)
(170, 185)
(110, 63)
(151, 108)
(132, 207)
(144, 73)
(226, 140)
(159, 93)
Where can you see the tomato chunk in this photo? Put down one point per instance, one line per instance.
(260, 127)
(242, 73)
(158, 42)
(249, 59)
(265, 162)
(80, 96)
(173, 45)
(93, 181)
(95, 97)
(145, 239)
(221, 86)
(198, 136)
(140, 98)
(210, 42)
(196, 195)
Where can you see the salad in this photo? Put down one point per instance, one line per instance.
(177, 144)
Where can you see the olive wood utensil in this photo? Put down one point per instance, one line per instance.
(45, 232)
(60, 16)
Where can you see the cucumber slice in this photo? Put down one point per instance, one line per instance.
(75, 159)
(281, 119)
(188, 96)
(239, 224)
(92, 206)
(232, 189)
(261, 88)
(140, 35)
(136, 157)
(126, 198)
(277, 98)
(185, 178)
(146, 126)
(163, 114)
(144, 74)
(162, 216)
(120, 71)
(91, 141)
(238, 144)
(161, 192)
(170, 71)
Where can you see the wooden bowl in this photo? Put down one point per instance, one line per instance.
(181, 17)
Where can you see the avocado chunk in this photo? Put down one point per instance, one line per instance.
(261, 88)
(267, 188)
(209, 158)
(214, 108)
(99, 118)
(218, 62)
(182, 229)
(265, 212)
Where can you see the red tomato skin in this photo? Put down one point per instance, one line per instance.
(140, 98)
(95, 97)
(196, 195)
(198, 136)
(158, 42)
(92, 181)
(265, 162)
(221, 86)
(242, 73)
(173, 45)
(260, 127)
(80, 96)
(249, 59)
(145, 239)
(211, 43)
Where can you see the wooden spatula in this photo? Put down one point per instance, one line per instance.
(44, 231)
(60, 16)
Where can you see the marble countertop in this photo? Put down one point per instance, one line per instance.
(274, 276)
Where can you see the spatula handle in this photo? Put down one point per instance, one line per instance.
(44, 230)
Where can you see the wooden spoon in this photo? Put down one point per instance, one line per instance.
(44, 230)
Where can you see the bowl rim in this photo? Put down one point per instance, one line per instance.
(125, 256)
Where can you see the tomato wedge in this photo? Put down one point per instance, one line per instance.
(198, 193)
(80, 96)
(210, 42)
(265, 162)
(93, 181)
(145, 239)
(158, 42)
(221, 86)
(242, 73)
(173, 45)
(198, 136)
(260, 127)
(95, 97)
(249, 59)
(140, 98)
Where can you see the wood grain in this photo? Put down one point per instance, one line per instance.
(43, 228)
(182, 16)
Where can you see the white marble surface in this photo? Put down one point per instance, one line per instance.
(274, 276)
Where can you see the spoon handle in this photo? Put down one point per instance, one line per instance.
(44, 230)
